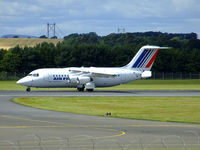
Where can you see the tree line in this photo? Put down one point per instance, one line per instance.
(113, 50)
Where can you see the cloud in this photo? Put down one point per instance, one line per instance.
(101, 16)
(185, 5)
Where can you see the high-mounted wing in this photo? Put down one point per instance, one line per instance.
(92, 72)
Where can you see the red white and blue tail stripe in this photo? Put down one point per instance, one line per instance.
(144, 58)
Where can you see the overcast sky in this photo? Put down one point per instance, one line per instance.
(30, 17)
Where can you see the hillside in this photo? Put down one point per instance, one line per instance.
(6, 43)
(113, 50)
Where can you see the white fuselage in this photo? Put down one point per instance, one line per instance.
(61, 77)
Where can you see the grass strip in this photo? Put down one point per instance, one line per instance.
(168, 109)
(135, 85)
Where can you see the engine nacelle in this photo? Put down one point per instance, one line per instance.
(73, 79)
(83, 80)
(79, 79)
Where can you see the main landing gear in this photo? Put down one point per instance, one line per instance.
(28, 89)
(80, 89)
(90, 90)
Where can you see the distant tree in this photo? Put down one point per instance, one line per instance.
(43, 37)
(11, 62)
(194, 43)
(15, 36)
(2, 53)
(74, 35)
(30, 59)
(111, 50)
(46, 54)
(54, 37)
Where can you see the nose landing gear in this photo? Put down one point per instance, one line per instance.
(28, 89)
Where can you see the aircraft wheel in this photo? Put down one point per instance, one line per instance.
(90, 90)
(28, 89)
(80, 89)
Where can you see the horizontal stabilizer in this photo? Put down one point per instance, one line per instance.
(146, 74)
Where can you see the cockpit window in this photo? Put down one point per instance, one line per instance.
(36, 75)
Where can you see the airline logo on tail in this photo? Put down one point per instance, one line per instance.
(146, 58)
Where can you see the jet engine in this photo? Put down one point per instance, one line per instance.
(83, 80)
(79, 79)
(72, 79)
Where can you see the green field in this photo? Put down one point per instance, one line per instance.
(173, 109)
(135, 85)
(6, 43)
(177, 109)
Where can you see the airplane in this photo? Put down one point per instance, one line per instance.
(91, 77)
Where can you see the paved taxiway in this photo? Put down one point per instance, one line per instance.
(16, 122)
(98, 93)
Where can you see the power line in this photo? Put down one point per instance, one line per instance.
(62, 33)
(121, 30)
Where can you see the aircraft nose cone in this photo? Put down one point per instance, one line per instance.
(21, 81)
(24, 81)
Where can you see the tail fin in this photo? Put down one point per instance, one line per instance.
(144, 58)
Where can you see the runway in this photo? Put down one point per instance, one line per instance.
(30, 128)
